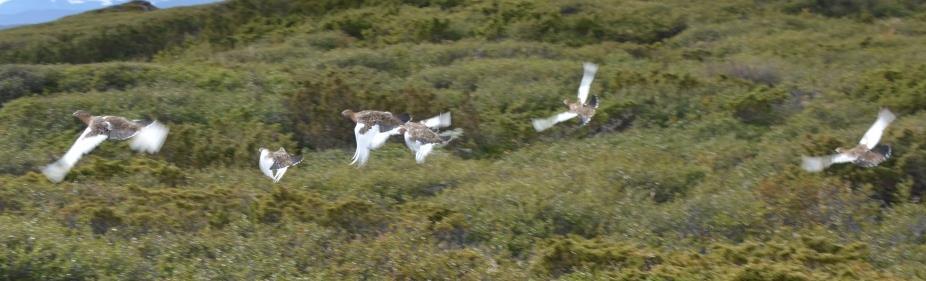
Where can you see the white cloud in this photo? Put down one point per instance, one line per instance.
(3, 1)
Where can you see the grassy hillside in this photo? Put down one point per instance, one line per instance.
(689, 171)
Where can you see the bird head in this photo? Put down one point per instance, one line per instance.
(81, 114)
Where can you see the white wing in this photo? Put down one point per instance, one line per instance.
(543, 124)
(873, 135)
(265, 163)
(841, 158)
(439, 121)
(364, 142)
(380, 138)
(816, 164)
(279, 175)
(423, 151)
(150, 138)
(83, 145)
(413, 145)
(587, 77)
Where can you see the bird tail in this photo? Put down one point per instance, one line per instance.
(882, 149)
(297, 159)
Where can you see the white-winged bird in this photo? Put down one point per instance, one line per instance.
(584, 108)
(868, 153)
(372, 130)
(147, 136)
(275, 163)
(422, 137)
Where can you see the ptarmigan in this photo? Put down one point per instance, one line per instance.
(422, 137)
(867, 154)
(584, 108)
(372, 130)
(274, 163)
(147, 136)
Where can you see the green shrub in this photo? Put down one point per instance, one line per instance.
(900, 90)
(856, 8)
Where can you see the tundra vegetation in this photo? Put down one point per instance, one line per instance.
(689, 170)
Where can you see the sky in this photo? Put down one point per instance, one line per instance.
(19, 12)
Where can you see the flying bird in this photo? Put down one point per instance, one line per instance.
(584, 108)
(372, 130)
(868, 153)
(147, 136)
(274, 164)
(422, 138)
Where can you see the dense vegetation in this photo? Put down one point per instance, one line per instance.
(690, 170)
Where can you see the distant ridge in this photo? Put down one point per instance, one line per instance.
(132, 6)
(26, 12)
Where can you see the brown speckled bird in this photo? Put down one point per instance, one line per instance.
(867, 154)
(584, 108)
(372, 130)
(422, 137)
(147, 136)
(274, 164)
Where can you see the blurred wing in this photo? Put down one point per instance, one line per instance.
(265, 163)
(150, 138)
(841, 158)
(448, 136)
(816, 164)
(293, 160)
(586, 84)
(364, 142)
(873, 135)
(379, 139)
(83, 145)
(423, 151)
(543, 124)
(440, 121)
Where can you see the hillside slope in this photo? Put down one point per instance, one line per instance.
(689, 171)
